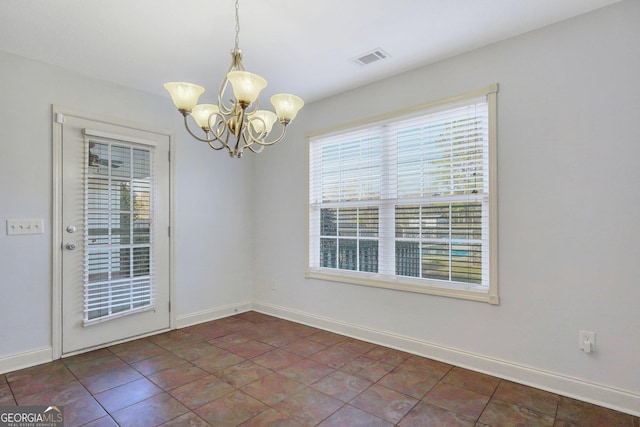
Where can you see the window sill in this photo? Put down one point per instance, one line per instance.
(403, 284)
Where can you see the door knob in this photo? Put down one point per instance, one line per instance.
(70, 246)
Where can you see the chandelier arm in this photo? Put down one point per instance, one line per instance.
(236, 64)
(252, 108)
(240, 148)
(249, 130)
(222, 132)
(221, 147)
(207, 140)
(224, 108)
(247, 138)
(278, 139)
(256, 150)
(218, 127)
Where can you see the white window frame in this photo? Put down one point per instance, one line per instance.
(388, 279)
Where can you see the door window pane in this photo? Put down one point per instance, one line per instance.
(118, 256)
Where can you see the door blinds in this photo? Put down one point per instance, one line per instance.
(118, 237)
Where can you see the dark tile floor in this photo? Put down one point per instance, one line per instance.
(256, 370)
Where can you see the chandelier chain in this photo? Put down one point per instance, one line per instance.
(237, 24)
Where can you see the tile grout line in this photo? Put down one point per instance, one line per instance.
(337, 353)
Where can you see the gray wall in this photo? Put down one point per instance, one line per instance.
(211, 190)
(569, 204)
(568, 107)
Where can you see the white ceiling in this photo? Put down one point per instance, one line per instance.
(302, 47)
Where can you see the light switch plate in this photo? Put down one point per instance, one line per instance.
(587, 341)
(25, 226)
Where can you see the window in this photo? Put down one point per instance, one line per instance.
(118, 258)
(408, 201)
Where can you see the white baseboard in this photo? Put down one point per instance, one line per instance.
(26, 359)
(191, 319)
(598, 394)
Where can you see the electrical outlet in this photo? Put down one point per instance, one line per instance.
(587, 341)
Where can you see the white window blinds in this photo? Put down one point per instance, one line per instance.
(406, 199)
(118, 256)
(349, 167)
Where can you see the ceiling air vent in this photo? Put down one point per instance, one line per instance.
(370, 57)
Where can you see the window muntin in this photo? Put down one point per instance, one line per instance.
(348, 238)
(440, 241)
(427, 176)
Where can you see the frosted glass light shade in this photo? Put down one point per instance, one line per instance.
(246, 86)
(202, 112)
(286, 105)
(184, 95)
(265, 121)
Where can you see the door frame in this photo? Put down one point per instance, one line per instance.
(58, 114)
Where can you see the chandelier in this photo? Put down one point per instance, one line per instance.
(239, 124)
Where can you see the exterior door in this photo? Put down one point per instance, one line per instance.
(115, 233)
